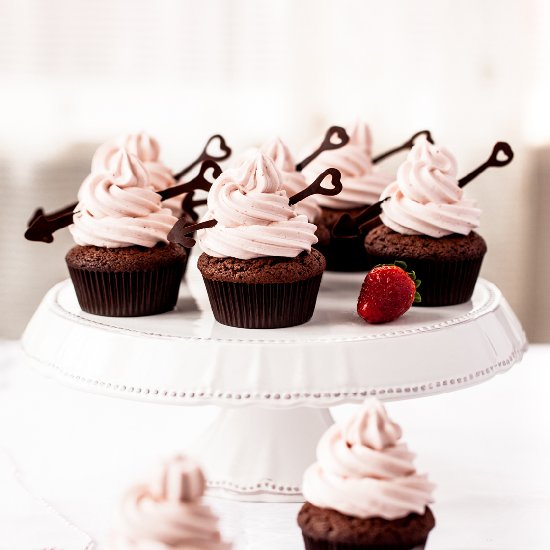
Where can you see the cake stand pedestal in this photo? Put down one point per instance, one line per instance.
(274, 386)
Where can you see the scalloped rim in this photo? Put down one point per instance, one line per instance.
(315, 398)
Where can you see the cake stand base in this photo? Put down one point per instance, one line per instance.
(259, 454)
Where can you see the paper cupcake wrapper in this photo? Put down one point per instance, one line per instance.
(348, 255)
(128, 293)
(312, 544)
(444, 283)
(266, 305)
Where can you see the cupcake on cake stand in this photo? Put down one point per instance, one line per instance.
(273, 386)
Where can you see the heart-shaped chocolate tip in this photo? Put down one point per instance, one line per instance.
(337, 136)
(327, 144)
(317, 187)
(216, 148)
(501, 155)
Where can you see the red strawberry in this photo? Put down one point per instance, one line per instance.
(388, 291)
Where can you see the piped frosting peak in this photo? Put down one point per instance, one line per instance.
(363, 470)
(362, 183)
(426, 198)
(293, 181)
(146, 148)
(168, 513)
(119, 208)
(254, 216)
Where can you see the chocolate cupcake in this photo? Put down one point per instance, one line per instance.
(249, 293)
(167, 512)
(448, 267)
(123, 265)
(428, 223)
(362, 186)
(364, 492)
(258, 265)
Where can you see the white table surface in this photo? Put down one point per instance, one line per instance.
(486, 448)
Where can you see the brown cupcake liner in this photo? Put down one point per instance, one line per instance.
(128, 293)
(444, 282)
(266, 305)
(312, 544)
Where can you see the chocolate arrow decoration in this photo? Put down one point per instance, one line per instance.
(317, 189)
(198, 182)
(348, 226)
(39, 213)
(205, 155)
(42, 227)
(407, 145)
(188, 205)
(326, 145)
(178, 233)
(492, 161)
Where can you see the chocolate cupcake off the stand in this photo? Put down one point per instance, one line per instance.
(428, 223)
(167, 513)
(258, 265)
(123, 264)
(362, 186)
(364, 492)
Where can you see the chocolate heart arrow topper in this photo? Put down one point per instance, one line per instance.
(198, 182)
(354, 226)
(316, 188)
(407, 145)
(327, 144)
(225, 153)
(41, 226)
(492, 162)
(179, 233)
(189, 203)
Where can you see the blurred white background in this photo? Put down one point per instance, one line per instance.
(75, 73)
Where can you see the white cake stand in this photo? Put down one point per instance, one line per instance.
(275, 386)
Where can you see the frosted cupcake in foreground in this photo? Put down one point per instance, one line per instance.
(258, 265)
(429, 223)
(123, 264)
(364, 492)
(168, 513)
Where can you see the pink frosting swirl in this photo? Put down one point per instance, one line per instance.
(146, 148)
(293, 181)
(253, 214)
(120, 208)
(426, 198)
(362, 184)
(168, 515)
(362, 469)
